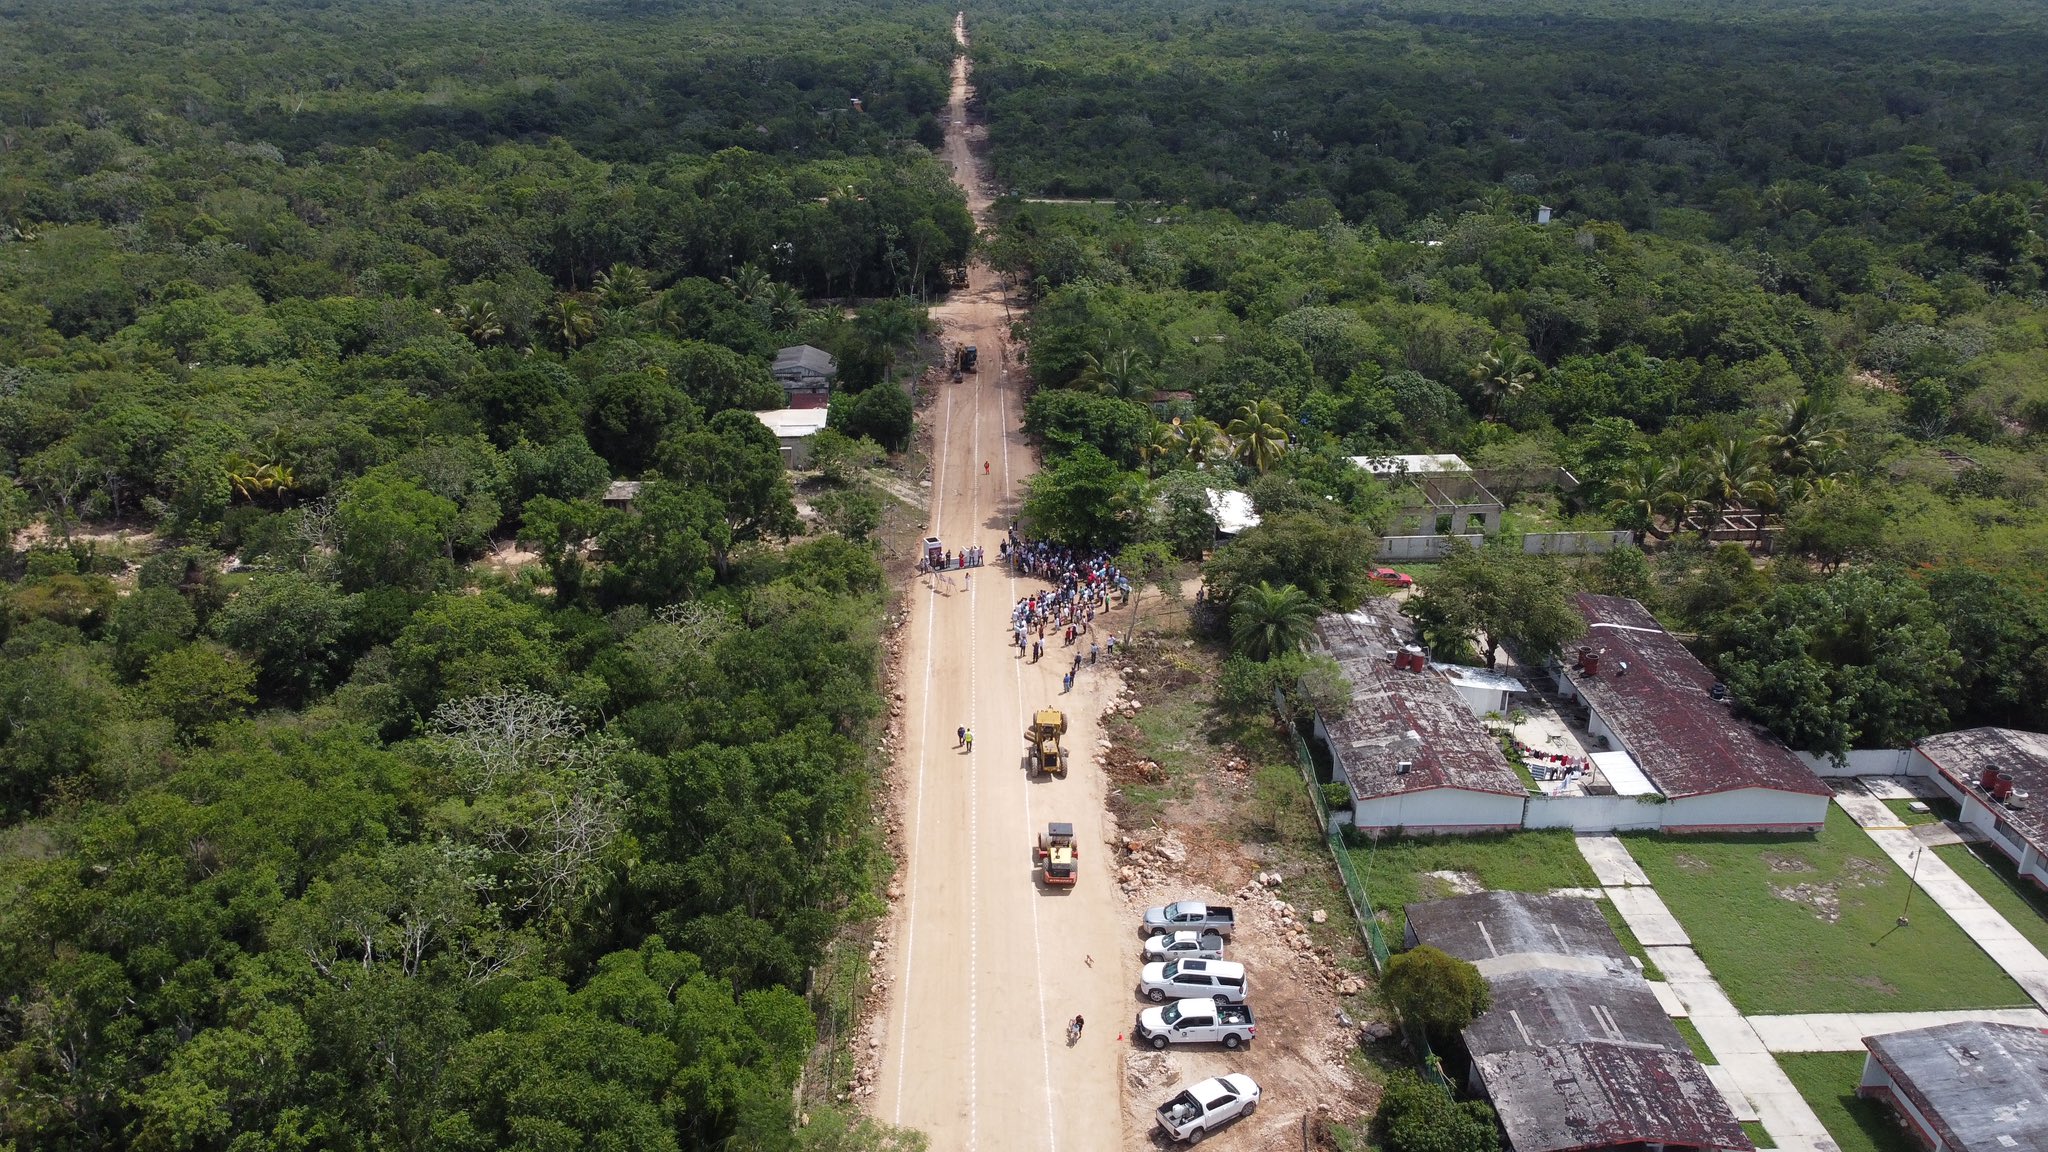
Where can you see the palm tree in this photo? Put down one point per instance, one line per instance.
(570, 322)
(1503, 372)
(620, 322)
(749, 283)
(1122, 372)
(480, 323)
(1266, 621)
(1260, 434)
(1732, 472)
(1647, 491)
(1802, 439)
(890, 324)
(1202, 439)
(785, 307)
(1162, 446)
(620, 286)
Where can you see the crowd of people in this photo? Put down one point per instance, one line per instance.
(937, 560)
(1082, 585)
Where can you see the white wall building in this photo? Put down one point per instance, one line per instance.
(1409, 746)
(1999, 777)
(1646, 695)
(794, 427)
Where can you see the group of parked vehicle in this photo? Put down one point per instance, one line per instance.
(1184, 964)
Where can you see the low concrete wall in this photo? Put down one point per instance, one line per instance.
(1575, 543)
(1555, 543)
(1593, 813)
(1421, 547)
(1866, 762)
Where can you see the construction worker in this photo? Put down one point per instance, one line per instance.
(970, 741)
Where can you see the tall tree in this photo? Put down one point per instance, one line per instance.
(1498, 595)
(1266, 621)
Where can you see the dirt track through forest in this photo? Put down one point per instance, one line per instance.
(987, 964)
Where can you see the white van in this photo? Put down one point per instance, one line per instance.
(1193, 979)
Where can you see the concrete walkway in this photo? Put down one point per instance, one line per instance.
(1749, 1077)
(1999, 939)
(1612, 864)
(1844, 1031)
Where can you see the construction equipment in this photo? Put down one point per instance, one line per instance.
(969, 357)
(1057, 855)
(1046, 755)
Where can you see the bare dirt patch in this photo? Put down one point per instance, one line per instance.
(1444, 882)
(1823, 900)
(1691, 863)
(1197, 835)
(1781, 863)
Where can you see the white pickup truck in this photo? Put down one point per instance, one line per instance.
(1201, 1108)
(1193, 915)
(1203, 1021)
(1176, 945)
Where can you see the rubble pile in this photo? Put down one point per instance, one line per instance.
(866, 1046)
(1149, 1070)
(1291, 928)
(1158, 858)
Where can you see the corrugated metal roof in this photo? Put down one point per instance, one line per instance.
(805, 358)
(1412, 464)
(1964, 756)
(1623, 773)
(794, 422)
(1232, 510)
(1575, 1051)
(1654, 695)
(1982, 1086)
(1449, 747)
(1601, 1094)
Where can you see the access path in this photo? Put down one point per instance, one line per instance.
(988, 965)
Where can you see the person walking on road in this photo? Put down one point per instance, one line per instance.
(960, 736)
(984, 467)
(1094, 650)
(970, 741)
(1067, 683)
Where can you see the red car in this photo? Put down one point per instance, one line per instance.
(1392, 579)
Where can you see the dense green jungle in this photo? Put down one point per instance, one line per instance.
(323, 827)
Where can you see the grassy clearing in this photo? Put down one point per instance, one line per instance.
(1903, 809)
(2024, 906)
(1828, 1081)
(1397, 872)
(1808, 924)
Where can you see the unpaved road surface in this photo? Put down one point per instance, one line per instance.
(985, 965)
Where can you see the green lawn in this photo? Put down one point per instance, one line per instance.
(1396, 873)
(1757, 1135)
(1828, 1081)
(1903, 809)
(1807, 924)
(2024, 906)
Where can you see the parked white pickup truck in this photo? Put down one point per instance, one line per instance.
(1201, 1108)
(1203, 1021)
(1183, 979)
(1191, 914)
(1185, 944)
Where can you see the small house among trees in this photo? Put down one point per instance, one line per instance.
(806, 375)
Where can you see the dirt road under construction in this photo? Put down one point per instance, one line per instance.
(987, 965)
